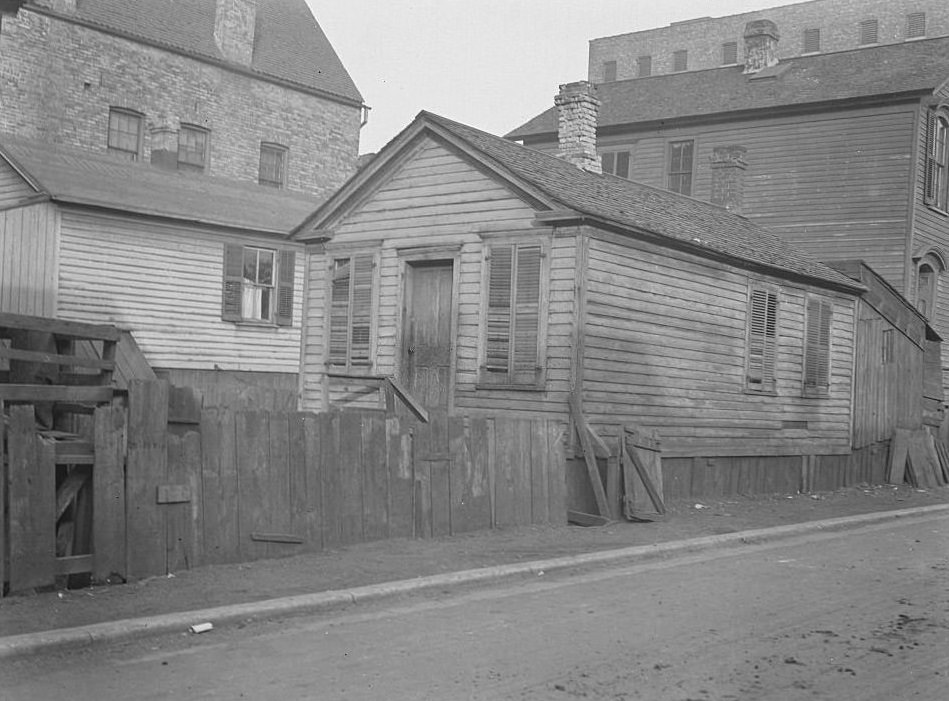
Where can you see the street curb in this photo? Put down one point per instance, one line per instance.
(136, 628)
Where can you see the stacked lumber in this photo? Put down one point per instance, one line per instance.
(916, 457)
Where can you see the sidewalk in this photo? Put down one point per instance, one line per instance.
(399, 560)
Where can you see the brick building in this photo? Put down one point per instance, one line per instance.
(819, 26)
(245, 89)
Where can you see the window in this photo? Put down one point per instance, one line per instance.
(812, 40)
(644, 66)
(125, 133)
(350, 311)
(609, 71)
(817, 347)
(273, 165)
(513, 333)
(729, 53)
(926, 289)
(869, 32)
(258, 284)
(680, 60)
(915, 25)
(193, 148)
(762, 340)
(936, 187)
(680, 166)
(616, 163)
(888, 346)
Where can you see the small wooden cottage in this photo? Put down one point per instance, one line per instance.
(490, 278)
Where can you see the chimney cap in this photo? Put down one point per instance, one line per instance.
(761, 27)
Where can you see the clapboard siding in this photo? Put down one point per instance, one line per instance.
(13, 188)
(29, 244)
(163, 282)
(665, 348)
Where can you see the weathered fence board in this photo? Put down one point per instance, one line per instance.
(108, 492)
(220, 537)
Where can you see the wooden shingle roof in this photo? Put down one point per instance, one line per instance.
(96, 179)
(288, 42)
(917, 67)
(559, 186)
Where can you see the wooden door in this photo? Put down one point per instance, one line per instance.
(426, 332)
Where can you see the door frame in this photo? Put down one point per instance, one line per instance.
(408, 257)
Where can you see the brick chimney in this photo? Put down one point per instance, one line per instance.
(164, 145)
(578, 109)
(761, 45)
(728, 177)
(234, 22)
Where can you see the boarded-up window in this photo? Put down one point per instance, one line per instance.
(512, 333)
(762, 340)
(273, 165)
(680, 166)
(644, 66)
(729, 53)
(869, 32)
(616, 163)
(258, 284)
(350, 311)
(680, 60)
(936, 187)
(609, 71)
(915, 25)
(812, 40)
(817, 347)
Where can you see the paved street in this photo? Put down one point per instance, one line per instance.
(860, 614)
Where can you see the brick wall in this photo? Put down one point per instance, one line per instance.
(58, 80)
(838, 21)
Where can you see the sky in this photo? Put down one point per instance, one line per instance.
(491, 64)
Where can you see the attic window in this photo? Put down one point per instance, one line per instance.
(729, 53)
(680, 166)
(680, 60)
(936, 187)
(869, 32)
(609, 71)
(192, 148)
(812, 40)
(273, 165)
(644, 66)
(616, 162)
(125, 133)
(915, 25)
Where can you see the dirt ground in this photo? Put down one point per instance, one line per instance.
(400, 559)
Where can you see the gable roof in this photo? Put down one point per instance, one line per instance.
(556, 185)
(917, 67)
(96, 179)
(289, 43)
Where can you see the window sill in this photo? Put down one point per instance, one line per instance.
(760, 392)
(815, 394)
(252, 323)
(508, 387)
(938, 210)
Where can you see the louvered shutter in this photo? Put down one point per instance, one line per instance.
(351, 311)
(931, 184)
(817, 346)
(285, 276)
(361, 313)
(762, 340)
(498, 334)
(526, 326)
(339, 312)
(233, 269)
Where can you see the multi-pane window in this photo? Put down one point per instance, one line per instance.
(350, 311)
(644, 66)
(193, 148)
(762, 340)
(258, 284)
(609, 71)
(729, 53)
(812, 40)
(936, 187)
(680, 166)
(680, 60)
(869, 32)
(817, 347)
(512, 334)
(273, 165)
(616, 163)
(915, 25)
(125, 133)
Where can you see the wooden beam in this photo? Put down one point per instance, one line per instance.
(55, 393)
(276, 538)
(173, 494)
(589, 456)
(75, 564)
(632, 460)
(581, 519)
(68, 490)
(402, 393)
(56, 359)
(59, 327)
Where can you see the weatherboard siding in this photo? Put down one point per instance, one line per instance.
(28, 259)
(664, 347)
(163, 282)
(13, 188)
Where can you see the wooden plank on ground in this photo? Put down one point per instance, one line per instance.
(943, 453)
(920, 461)
(32, 502)
(146, 468)
(935, 465)
(220, 534)
(589, 456)
(375, 477)
(647, 468)
(401, 479)
(899, 451)
(578, 518)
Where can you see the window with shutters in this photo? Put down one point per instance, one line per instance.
(812, 40)
(609, 71)
(615, 162)
(644, 66)
(936, 187)
(513, 325)
(729, 53)
(258, 285)
(680, 166)
(915, 25)
(869, 32)
(817, 328)
(350, 312)
(680, 60)
(762, 345)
